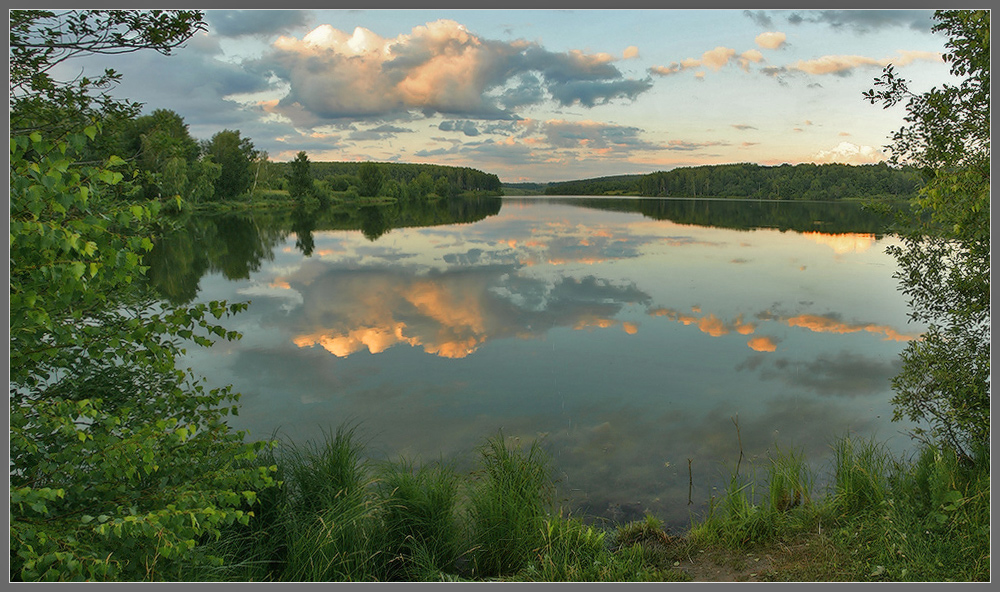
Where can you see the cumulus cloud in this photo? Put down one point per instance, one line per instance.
(239, 23)
(631, 52)
(849, 153)
(440, 67)
(718, 57)
(751, 55)
(770, 40)
(762, 344)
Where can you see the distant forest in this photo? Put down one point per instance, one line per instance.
(419, 179)
(746, 180)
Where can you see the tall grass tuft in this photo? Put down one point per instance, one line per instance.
(753, 510)
(572, 551)
(508, 503)
(323, 474)
(861, 475)
(420, 519)
(789, 481)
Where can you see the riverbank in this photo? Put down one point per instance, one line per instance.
(338, 516)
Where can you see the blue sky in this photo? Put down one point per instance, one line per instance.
(544, 95)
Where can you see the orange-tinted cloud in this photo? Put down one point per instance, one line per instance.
(744, 328)
(439, 66)
(821, 324)
(713, 326)
(770, 40)
(842, 64)
(751, 55)
(762, 344)
(718, 57)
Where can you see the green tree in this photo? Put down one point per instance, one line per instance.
(121, 464)
(235, 155)
(441, 187)
(421, 185)
(944, 259)
(300, 181)
(371, 178)
(168, 157)
(40, 40)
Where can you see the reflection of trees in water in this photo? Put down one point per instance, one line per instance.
(303, 224)
(839, 217)
(233, 245)
(375, 221)
(236, 245)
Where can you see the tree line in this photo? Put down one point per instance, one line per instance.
(748, 180)
(402, 181)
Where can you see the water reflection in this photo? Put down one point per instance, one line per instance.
(449, 313)
(627, 343)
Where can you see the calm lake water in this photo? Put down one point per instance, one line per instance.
(629, 336)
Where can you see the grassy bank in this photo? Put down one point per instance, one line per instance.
(338, 516)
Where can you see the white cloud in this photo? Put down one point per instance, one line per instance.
(439, 67)
(849, 153)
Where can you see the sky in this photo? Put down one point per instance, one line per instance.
(543, 95)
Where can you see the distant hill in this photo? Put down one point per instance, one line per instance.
(747, 180)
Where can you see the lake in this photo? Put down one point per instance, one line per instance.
(635, 338)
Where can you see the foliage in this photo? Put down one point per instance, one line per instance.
(945, 255)
(416, 181)
(168, 158)
(235, 155)
(785, 182)
(40, 40)
(122, 465)
(370, 178)
(300, 181)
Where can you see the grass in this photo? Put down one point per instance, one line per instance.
(338, 516)
(882, 519)
(508, 503)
